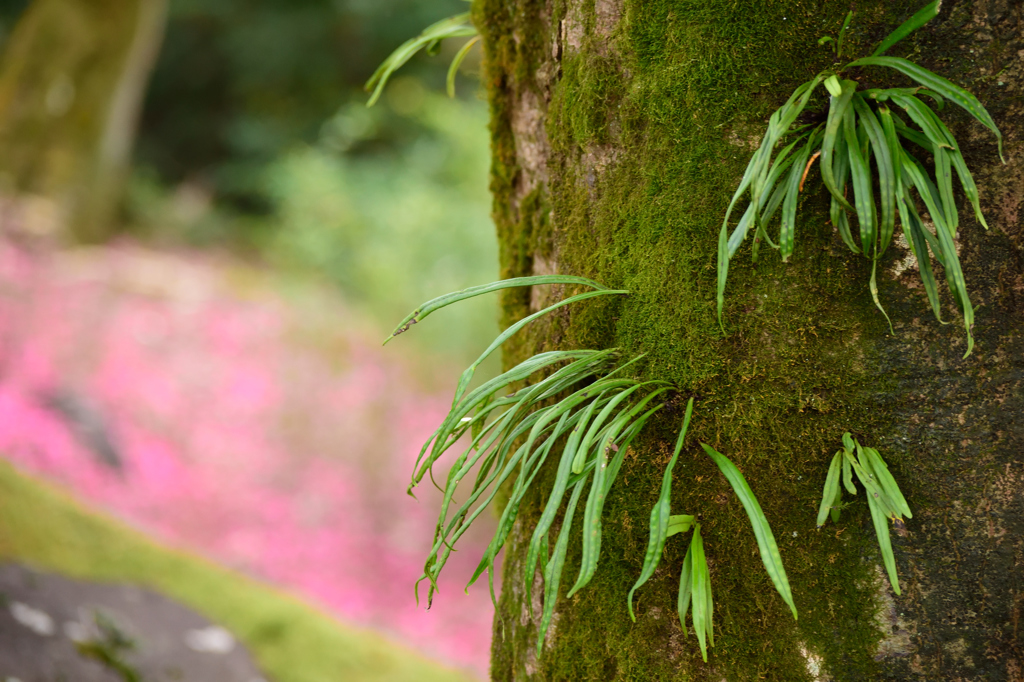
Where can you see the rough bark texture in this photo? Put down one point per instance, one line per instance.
(620, 129)
(71, 88)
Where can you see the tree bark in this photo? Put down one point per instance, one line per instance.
(71, 90)
(620, 129)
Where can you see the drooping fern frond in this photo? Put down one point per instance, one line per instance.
(695, 580)
(458, 26)
(869, 171)
(885, 500)
(580, 413)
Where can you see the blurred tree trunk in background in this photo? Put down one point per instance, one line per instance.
(72, 82)
(620, 129)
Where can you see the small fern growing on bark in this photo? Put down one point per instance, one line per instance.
(587, 409)
(863, 124)
(885, 500)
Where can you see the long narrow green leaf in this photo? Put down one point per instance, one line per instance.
(873, 490)
(884, 95)
(702, 616)
(436, 304)
(886, 172)
(548, 515)
(920, 18)
(625, 438)
(912, 220)
(660, 515)
(831, 487)
(863, 195)
(467, 375)
(967, 182)
(528, 473)
(881, 524)
(778, 125)
(561, 482)
(848, 476)
(893, 143)
(710, 606)
(591, 550)
(449, 431)
(888, 483)
(769, 203)
(762, 531)
(925, 118)
(553, 575)
(956, 158)
(945, 88)
(842, 34)
(787, 230)
(591, 527)
(493, 482)
(908, 133)
(756, 173)
(457, 62)
(453, 426)
(937, 132)
(595, 426)
(873, 288)
(752, 217)
(836, 212)
(577, 437)
(604, 476)
(954, 275)
(838, 106)
(944, 180)
(836, 502)
(771, 206)
(453, 27)
(685, 587)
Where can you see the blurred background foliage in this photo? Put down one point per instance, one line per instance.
(255, 138)
(255, 164)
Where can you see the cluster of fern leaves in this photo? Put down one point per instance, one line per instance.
(584, 413)
(884, 497)
(430, 39)
(864, 125)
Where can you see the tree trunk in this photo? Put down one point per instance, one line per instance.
(71, 88)
(620, 130)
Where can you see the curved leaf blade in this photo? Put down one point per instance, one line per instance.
(435, 304)
(766, 544)
(660, 519)
(457, 60)
(943, 87)
(553, 575)
(881, 524)
(453, 27)
(701, 593)
(838, 106)
(685, 588)
(920, 18)
(863, 195)
(828, 495)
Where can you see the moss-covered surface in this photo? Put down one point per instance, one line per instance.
(652, 109)
(291, 641)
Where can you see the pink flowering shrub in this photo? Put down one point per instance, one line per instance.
(273, 435)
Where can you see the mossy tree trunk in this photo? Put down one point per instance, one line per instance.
(71, 86)
(620, 130)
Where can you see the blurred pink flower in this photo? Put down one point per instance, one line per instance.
(249, 432)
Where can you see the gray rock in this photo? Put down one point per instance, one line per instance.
(54, 629)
